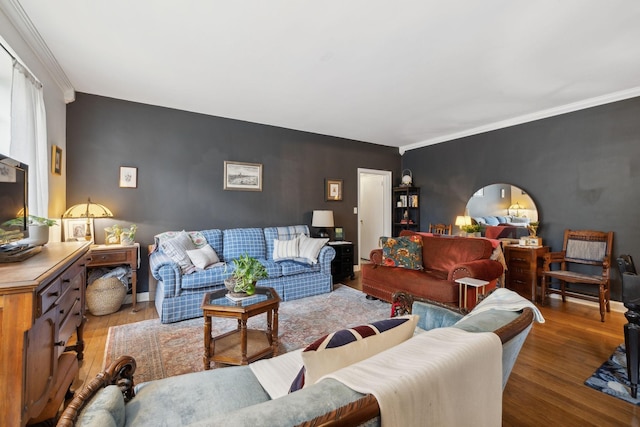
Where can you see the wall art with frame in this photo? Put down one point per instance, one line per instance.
(56, 160)
(128, 177)
(242, 176)
(333, 189)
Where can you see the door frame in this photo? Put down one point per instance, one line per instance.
(386, 209)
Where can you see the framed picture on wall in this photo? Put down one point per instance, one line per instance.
(128, 177)
(56, 160)
(242, 176)
(333, 189)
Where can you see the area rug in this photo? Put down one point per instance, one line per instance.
(611, 378)
(166, 350)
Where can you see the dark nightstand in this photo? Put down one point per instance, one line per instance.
(524, 264)
(342, 264)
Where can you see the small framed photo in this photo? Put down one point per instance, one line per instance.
(75, 230)
(242, 176)
(333, 189)
(128, 177)
(339, 233)
(56, 160)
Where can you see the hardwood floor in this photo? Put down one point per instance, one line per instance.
(546, 386)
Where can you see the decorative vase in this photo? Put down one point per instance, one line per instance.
(38, 234)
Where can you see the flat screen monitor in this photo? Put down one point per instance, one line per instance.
(14, 177)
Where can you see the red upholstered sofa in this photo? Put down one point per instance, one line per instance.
(444, 259)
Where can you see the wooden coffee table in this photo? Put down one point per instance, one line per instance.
(240, 346)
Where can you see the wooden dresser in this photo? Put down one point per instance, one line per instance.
(41, 307)
(524, 264)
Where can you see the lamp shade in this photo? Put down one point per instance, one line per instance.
(87, 210)
(463, 220)
(322, 219)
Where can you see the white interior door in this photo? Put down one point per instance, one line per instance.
(374, 209)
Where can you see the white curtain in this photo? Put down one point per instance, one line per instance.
(29, 136)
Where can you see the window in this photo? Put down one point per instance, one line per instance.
(6, 70)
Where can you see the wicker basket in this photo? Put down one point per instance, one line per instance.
(105, 296)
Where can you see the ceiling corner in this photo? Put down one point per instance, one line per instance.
(18, 17)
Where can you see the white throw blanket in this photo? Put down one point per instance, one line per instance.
(443, 377)
(505, 299)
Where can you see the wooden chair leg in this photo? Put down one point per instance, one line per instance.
(562, 290)
(543, 289)
(601, 294)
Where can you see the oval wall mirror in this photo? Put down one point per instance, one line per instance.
(502, 211)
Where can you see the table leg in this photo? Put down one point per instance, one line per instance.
(243, 341)
(632, 347)
(274, 333)
(207, 343)
(134, 287)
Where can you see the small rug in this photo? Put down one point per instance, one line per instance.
(177, 348)
(611, 378)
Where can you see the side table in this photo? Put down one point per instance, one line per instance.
(114, 255)
(524, 264)
(240, 346)
(464, 283)
(342, 264)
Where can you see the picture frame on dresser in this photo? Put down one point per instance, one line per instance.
(338, 234)
(74, 230)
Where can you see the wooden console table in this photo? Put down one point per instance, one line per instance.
(114, 255)
(42, 303)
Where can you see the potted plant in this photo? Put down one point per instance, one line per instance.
(472, 230)
(116, 234)
(128, 235)
(38, 229)
(248, 270)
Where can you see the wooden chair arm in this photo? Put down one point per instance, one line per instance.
(552, 257)
(119, 372)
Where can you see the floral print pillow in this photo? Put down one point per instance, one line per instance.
(404, 251)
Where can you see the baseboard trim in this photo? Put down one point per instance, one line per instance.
(140, 297)
(616, 306)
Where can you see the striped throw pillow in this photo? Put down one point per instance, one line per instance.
(286, 249)
(348, 346)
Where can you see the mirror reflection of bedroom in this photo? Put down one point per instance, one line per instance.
(503, 211)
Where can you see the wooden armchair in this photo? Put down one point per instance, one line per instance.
(581, 248)
(440, 229)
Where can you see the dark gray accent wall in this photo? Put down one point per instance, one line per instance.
(180, 159)
(582, 169)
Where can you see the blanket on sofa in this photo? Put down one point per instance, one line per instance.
(504, 299)
(445, 376)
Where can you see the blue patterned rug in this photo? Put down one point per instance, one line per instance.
(611, 378)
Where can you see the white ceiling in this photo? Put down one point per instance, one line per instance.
(398, 73)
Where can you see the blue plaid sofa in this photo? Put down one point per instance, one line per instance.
(179, 296)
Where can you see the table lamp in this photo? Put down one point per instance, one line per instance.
(88, 210)
(322, 220)
(462, 220)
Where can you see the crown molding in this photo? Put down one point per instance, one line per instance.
(21, 21)
(568, 108)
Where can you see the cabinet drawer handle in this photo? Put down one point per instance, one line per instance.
(66, 281)
(53, 294)
(59, 343)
